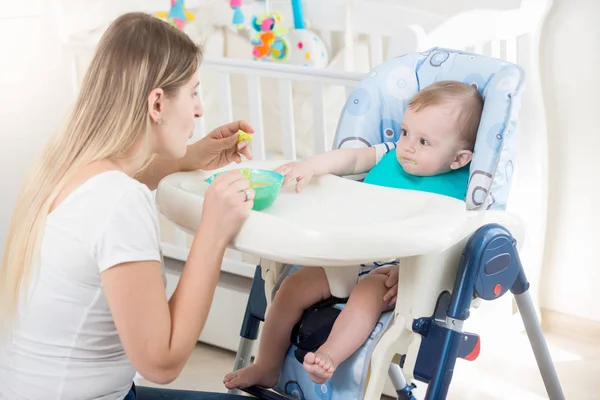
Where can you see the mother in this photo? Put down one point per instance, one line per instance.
(82, 289)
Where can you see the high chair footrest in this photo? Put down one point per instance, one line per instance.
(266, 394)
(470, 346)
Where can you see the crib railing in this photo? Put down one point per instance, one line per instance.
(175, 242)
(285, 75)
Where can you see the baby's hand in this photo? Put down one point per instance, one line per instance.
(299, 172)
(391, 282)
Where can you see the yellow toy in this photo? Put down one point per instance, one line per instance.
(244, 137)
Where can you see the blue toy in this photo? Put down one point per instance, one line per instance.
(177, 16)
(238, 15)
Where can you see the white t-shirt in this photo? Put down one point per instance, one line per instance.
(65, 345)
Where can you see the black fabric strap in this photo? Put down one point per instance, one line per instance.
(315, 325)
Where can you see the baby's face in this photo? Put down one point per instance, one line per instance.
(430, 142)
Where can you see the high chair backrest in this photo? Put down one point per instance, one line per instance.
(375, 109)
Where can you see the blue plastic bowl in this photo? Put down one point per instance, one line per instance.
(266, 185)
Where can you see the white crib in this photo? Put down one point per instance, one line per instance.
(386, 28)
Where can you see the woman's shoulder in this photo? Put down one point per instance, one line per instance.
(113, 185)
(118, 181)
(101, 194)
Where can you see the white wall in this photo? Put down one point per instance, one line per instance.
(570, 59)
(32, 94)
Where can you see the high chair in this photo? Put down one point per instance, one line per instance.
(452, 254)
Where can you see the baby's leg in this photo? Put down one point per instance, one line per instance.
(297, 292)
(352, 327)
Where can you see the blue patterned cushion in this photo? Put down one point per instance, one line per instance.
(376, 107)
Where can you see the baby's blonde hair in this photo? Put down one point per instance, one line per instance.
(467, 98)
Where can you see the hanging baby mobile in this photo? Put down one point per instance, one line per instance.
(297, 46)
(177, 15)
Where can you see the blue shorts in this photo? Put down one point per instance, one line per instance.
(365, 269)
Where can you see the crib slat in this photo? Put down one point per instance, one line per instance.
(327, 37)
(495, 48)
(511, 50)
(478, 48)
(224, 85)
(287, 119)
(256, 118)
(319, 118)
(376, 47)
(349, 36)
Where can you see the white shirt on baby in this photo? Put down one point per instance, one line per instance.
(65, 345)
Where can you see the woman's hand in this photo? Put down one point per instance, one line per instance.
(227, 204)
(299, 172)
(218, 148)
(391, 283)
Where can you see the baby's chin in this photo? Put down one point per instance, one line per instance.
(410, 166)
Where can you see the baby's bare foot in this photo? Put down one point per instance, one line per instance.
(319, 366)
(255, 374)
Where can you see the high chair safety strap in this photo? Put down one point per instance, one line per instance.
(314, 327)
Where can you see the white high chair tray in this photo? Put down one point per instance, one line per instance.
(333, 222)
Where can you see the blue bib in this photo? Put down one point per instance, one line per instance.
(388, 172)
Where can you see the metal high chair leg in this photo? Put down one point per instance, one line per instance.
(536, 339)
(254, 315)
(490, 266)
(265, 279)
(403, 389)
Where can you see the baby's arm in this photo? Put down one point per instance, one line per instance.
(343, 162)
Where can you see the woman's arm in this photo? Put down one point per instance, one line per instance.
(158, 336)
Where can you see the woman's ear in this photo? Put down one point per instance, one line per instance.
(462, 158)
(155, 105)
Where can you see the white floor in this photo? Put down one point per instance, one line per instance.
(504, 372)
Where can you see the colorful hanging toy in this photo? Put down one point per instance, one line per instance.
(269, 41)
(238, 15)
(177, 16)
(298, 46)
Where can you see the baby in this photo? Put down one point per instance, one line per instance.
(436, 144)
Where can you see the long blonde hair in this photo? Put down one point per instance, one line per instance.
(136, 54)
